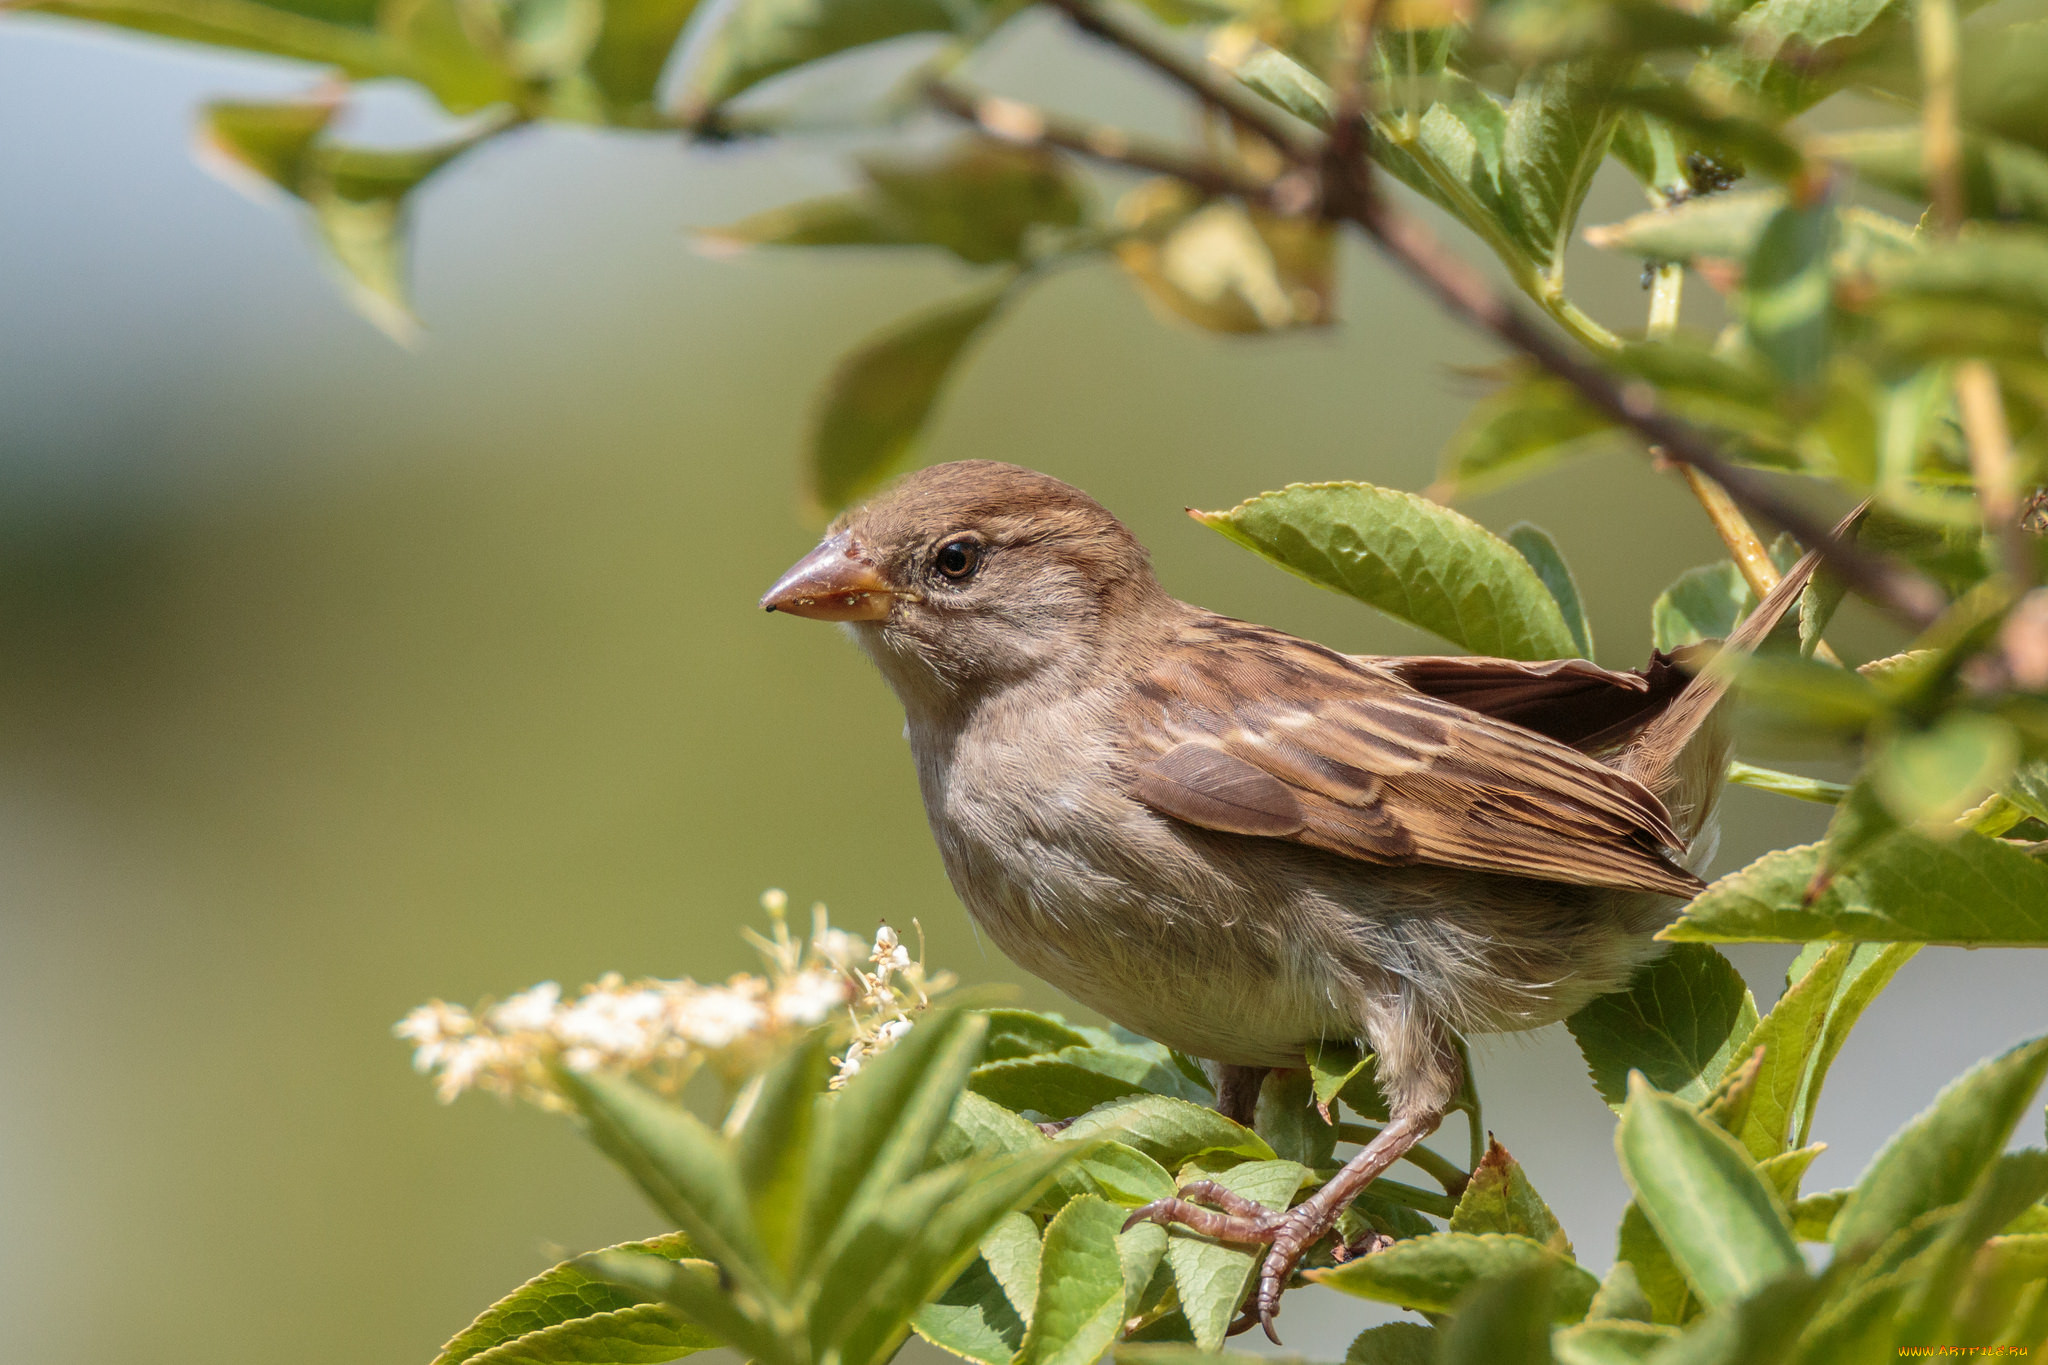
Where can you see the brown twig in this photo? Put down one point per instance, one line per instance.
(1027, 125)
(1632, 403)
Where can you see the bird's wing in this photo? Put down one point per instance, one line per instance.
(1572, 701)
(1251, 731)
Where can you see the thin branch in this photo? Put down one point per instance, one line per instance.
(1026, 125)
(1225, 98)
(1632, 403)
(1937, 36)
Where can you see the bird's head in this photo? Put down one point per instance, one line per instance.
(976, 574)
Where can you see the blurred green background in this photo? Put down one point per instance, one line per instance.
(338, 676)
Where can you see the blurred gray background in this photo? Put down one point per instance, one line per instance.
(338, 676)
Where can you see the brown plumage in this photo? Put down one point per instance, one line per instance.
(1240, 843)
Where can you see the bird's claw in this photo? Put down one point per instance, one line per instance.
(1238, 1219)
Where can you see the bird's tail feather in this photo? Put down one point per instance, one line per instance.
(1682, 754)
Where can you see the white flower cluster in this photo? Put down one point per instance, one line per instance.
(663, 1031)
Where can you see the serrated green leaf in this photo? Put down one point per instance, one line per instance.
(1715, 1214)
(1658, 1279)
(1937, 1159)
(981, 1127)
(1080, 1287)
(973, 1319)
(1679, 1023)
(1170, 1131)
(1212, 1277)
(1142, 1252)
(1409, 557)
(1610, 1343)
(1432, 1273)
(1148, 1066)
(1702, 604)
(696, 1291)
(1534, 544)
(1499, 1198)
(1558, 125)
(647, 1334)
(1123, 1175)
(1970, 891)
(765, 38)
(1287, 83)
(2013, 1183)
(1012, 1248)
(567, 1294)
(1818, 36)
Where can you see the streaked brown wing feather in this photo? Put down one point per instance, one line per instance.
(1382, 772)
(1571, 700)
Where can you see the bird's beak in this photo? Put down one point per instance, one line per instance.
(834, 582)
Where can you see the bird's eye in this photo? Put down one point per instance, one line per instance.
(958, 559)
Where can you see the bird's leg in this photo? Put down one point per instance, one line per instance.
(1303, 1225)
(1237, 1091)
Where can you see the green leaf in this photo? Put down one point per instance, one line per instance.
(1290, 1122)
(877, 401)
(2000, 267)
(773, 1149)
(1212, 1277)
(697, 1292)
(1790, 54)
(879, 1130)
(763, 38)
(2014, 1183)
(555, 1308)
(1530, 424)
(1869, 970)
(1658, 1279)
(1170, 1131)
(1784, 1043)
(300, 32)
(1928, 778)
(1409, 557)
(1703, 604)
(981, 1127)
(1718, 1218)
(1534, 544)
(1679, 1023)
(938, 1246)
(1724, 226)
(1287, 83)
(1393, 1343)
(1080, 1287)
(973, 1319)
(1432, 1273)
(1621, 1296)
(1505, 1320)
(1222, 266)
(1558, 125)
(1610, 1343)
(1785, 298)
(2001, 180)
(1051, 1086)
(1021, 1033)
(978, 198)
(1012, 1249)
(1124, 1175)
(1814, 1215)
(1969, 891)
(1938, 1158)
(683, 1166)
(1341, 1070)
(1147, 1065)
(1499, 1198)
(632, 49)
(1760, 1328)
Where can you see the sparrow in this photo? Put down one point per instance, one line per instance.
(1240, 843)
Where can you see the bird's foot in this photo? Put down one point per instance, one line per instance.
(1235, 1218)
